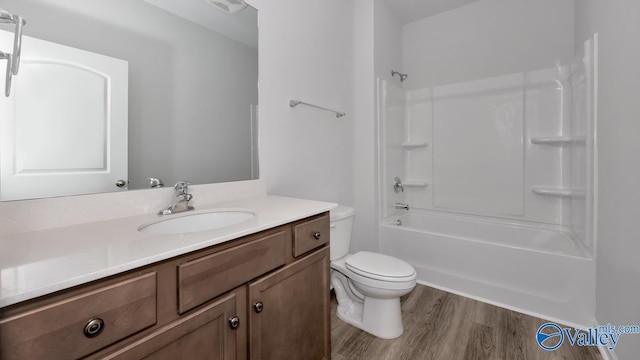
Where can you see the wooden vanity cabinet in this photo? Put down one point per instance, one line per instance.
(65, 328)
(211, 332)
(289, 316)
(263, 296)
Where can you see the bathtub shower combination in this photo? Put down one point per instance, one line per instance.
(498, 174)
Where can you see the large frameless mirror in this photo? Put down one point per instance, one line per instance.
(113, 93)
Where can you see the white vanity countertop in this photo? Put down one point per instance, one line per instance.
(37, 263)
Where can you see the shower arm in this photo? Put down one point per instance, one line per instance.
(402, 76)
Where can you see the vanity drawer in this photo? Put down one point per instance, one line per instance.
(60, 330)
(208, 277)
(310, 235)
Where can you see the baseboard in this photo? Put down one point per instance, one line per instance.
(604, 352)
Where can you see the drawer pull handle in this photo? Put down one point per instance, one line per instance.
(93, 328)
(316, 235)
(258, 306)
(234, 322)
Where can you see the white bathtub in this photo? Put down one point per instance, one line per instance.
(533, 269)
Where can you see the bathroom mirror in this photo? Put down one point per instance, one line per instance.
(113, 92)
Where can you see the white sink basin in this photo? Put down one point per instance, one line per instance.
(193, 222)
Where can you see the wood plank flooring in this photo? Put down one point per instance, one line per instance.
(442, 326)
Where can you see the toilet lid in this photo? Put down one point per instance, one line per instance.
(380, 267)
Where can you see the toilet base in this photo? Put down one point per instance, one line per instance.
(374, 311)
(378, 317)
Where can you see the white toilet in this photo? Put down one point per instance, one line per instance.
(368, 286)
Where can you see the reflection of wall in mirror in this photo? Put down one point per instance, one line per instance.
(190, 89)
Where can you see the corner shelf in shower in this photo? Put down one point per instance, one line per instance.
(414, 144)
(560, 192)
(557, 140)
(415, 183)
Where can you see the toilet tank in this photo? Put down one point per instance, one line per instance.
(341, 220)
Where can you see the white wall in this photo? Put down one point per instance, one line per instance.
(365, 164)
(377, 50)
(388, 57)
(185, 84)
(618, 244)
(388, 43)
(306, 53)
(488, 38)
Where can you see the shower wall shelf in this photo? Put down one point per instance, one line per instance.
(415, 183)
(560, 192)
(557, 140)
(414, 144)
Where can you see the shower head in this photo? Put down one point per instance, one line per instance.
(402, 76)
(228, 6)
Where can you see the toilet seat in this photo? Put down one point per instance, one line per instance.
(380, 267)
(399, 283)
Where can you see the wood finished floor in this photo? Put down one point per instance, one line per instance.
(442, 326)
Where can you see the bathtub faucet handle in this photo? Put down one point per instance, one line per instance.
(401, 206)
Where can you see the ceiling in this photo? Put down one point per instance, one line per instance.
(241, 26)
(411, 10)
(235, 25)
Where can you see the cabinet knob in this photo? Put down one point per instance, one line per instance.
(121, 183)
(316, 235)
(94, 327)
(258, 306)
(234, 322)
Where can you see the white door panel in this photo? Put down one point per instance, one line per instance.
(63, 130)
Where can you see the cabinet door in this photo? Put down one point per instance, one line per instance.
(206, 333)
(292, 318)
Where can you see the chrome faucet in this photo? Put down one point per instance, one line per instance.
(155, 183)
(180, 200)
(401, 206)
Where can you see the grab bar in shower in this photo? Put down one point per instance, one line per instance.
(294, 103)
(13, 60)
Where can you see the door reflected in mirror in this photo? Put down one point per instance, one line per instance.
(120, 91)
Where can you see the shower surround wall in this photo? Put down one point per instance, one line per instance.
(495, 153)
(485, 147)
